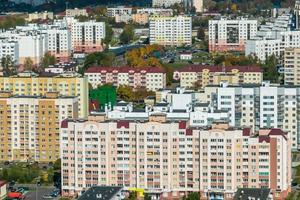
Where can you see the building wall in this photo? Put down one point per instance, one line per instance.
(87, 36)
(291, 66)
(259, 107)
(142, 155)
(32, 131)
(230, 35)
(170, 31)
(65, 85)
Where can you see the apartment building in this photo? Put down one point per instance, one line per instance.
(151, 78)
(155, 11)
(292, 66)
(30, 126)
(31, 84)
(87, 36)
(9, 49)
(260, 106)
(59, 43)
(142, 153)
(201, 76)
(230, 34)
(170, 31)
(164, 3)
(120, 10)
(76, 12)
(273, 44)
(40, 16)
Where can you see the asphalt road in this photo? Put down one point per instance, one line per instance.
(39, 193)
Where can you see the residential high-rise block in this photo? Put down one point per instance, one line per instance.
(169, 158)
(201, 76)
(170, 31)
(31, 84)
(29, 126)
(230, 34)
(292, 66)
(265, 106)
(87, 36)
(150, 78)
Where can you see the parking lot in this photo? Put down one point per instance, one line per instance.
(39, 193)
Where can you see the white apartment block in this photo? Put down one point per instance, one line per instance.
(76, 12)
(9, 49)
(87, 36)
(262, 47)
(170, 31)
(164, 3)
(265, 106)
(59, 43)
(230, 34)
(142, 153)
(120, 10)
(31, 45)
(155, 11)
(151, 78)
(292, 66)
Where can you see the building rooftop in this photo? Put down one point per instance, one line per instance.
(100, 193)
(252, 193)
(200, 68)
(97, 69)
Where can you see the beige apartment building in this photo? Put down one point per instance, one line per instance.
(29, 125)
(201, 76)
(32, 84)
(169, 158)
(292, 66)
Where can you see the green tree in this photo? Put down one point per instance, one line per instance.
(48, 59)
(270, 69)
(147, 197)
(98, 59)
(28, 64)
(57, 164)
(108, 34)
(193, 196)
(82, 18)
(127, 35)
(201, 34)
(8, 66)
(125, 93)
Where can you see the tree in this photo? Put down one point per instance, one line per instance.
(8, 66)
(28, 64)
(127, 35)
(270, 69)
(100, 59)
(147, 197)
(82, 18)
(108, 34)
(193, 196)
(48, 59)
(57, 164)
(201, 34)
(125, 93)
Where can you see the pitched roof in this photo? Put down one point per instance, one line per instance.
(98, 69)
(252, 193)
(200, 68)
(100, 193)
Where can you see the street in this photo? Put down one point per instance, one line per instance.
(38, 194)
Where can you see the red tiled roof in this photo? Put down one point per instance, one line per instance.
(277, 131)
(246, 131)
(124, 124)
(263, 138)
(182, 125)
(97, 69)
(64, 123)
(200, 68)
